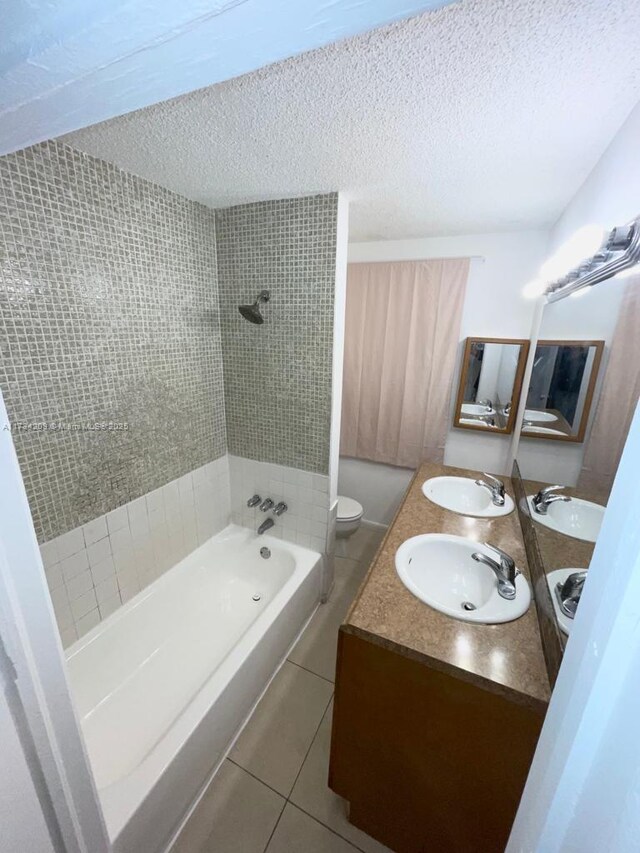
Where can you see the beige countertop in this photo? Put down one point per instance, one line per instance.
(557, 550)
(506, 659)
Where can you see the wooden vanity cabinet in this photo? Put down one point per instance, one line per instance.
(430, 762)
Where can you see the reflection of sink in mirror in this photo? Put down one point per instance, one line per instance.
(490, 383)
(439, 569)
(577, 518)
(541, 430)
(478, 422)
(464, 496)
(476, 409)
(554, 578)
(540, 417)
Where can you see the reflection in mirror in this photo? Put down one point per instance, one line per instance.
(561, 389)
(563, 485)
(490, 383)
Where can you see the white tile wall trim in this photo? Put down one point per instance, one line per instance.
(94, 569)
(306, 521)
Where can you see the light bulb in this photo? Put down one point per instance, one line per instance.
(582, 244)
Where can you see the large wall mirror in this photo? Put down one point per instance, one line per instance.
(587, 376)
(490, 384)
(561, 389)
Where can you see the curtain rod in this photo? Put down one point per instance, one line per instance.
(619, 251)
(430, 258)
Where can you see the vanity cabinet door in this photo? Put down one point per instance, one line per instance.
(427, 761)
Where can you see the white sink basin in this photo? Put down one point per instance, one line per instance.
(527, 429)
(540, 417)
(477, 422)
(461, 495)
(553, 579)
(439, 570)
(476, 409)
(577, 518)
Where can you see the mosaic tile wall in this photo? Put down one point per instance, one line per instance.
(278, 375)
(108, 314)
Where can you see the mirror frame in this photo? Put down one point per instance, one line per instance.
(517, 384)
(578, 438)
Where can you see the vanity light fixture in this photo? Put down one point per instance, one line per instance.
(591, 255)
(618, 253)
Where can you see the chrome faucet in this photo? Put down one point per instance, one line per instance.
(504, 569)
(489, 420)
(266, 504)
(495, 486)
(487, 403)
(569, 592)
(545, 497)
(279, 508)
(267, 524)
(254, 501)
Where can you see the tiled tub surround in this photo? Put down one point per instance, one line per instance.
(278, 376)
(108, 313)
(93, 569)
(309, 519)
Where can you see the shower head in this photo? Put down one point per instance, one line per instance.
(252, 312)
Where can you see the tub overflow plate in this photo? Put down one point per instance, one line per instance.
(256, 597)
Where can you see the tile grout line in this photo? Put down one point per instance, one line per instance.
(288, 797)
(311, 672)
(325, 826)
(304, 811)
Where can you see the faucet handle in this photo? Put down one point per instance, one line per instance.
(280, 508)
(505, 559)
(494, 481)
(548, 489)
(266, 504)
(254, 501)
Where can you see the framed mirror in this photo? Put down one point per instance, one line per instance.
(490, 384)
(561, 389)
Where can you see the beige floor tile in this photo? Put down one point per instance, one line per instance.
(275, 741)
(316, 649)
(237, 814)
(312, 793)
(298, 833)
(361, 545)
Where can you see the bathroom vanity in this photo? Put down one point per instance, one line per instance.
(435, 719)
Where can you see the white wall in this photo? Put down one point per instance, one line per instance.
(610, 196)
(378, 487)
(494, 307)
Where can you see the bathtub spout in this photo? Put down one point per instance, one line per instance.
(266, 525)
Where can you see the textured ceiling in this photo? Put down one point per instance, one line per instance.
(485, 115)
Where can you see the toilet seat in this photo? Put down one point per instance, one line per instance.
(349, 509)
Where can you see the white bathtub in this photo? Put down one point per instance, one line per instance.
(163, 685)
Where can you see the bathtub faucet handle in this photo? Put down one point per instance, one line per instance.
(280, 508)
(266, 504)
(254, 501)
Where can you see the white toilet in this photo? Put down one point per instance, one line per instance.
(349, 516)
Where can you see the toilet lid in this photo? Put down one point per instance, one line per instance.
(348, 508)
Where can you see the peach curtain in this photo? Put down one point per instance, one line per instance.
(619, 396)
(402, 329)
